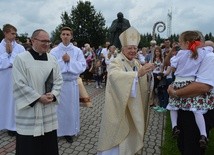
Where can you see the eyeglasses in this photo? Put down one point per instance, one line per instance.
(44, 41)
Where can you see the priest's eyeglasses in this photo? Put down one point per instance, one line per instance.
(47, 42)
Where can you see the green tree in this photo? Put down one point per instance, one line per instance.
(66, 21)
(23, 37)
(1, 35)
(87, 24)
(207, 37)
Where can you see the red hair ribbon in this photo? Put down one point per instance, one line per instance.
(193, 45)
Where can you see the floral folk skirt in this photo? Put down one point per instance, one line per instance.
(202, 102)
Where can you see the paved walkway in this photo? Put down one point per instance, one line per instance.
(86, 142)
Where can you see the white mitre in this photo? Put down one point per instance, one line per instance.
(130, 37)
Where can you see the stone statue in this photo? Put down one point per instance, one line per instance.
(117, 27)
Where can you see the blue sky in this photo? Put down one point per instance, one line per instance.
(28, 15)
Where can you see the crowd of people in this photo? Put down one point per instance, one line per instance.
(40, 94)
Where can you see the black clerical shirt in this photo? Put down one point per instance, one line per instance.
(38, 56)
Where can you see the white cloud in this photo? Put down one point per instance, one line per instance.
(142, 14)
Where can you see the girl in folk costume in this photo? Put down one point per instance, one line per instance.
(186, 63)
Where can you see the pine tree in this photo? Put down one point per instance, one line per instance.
(87, 24)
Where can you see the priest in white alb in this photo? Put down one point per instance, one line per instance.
(36, 87)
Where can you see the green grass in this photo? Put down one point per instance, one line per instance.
(169, 146)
